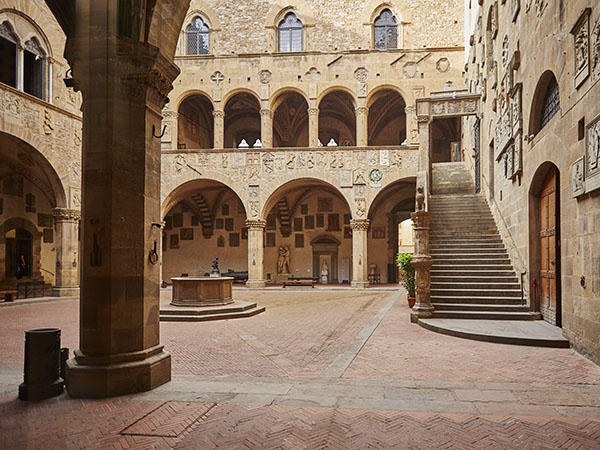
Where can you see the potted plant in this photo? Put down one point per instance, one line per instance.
(408, 275)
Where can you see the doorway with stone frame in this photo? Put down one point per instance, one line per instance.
(325, 251)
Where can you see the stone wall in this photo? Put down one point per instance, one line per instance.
(338, 25)
(511, 70)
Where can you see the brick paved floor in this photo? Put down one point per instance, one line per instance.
(473, 394)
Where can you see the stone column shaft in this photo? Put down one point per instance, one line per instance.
(66, 222)
(422, 263)
(359, 253)
(256, 232)
(362, 132)
(266, 128)
(125, 84)
(219, 128)
(313, 127)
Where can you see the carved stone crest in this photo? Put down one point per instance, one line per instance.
(265, 76)
(592, 156)
(361, 74)
(217, 78)
(443, 65)
(577, 177)
(505, 46)
(411, 69)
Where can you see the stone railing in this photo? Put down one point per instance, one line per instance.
(422, 259)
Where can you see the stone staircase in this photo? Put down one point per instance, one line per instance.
(471, 276)
(236, 310)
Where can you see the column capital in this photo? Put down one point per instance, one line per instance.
(256, 224)
(313, 111)
(361, 110)
(218, 113)
(170, 114)
(359, 224)
(266, 112)
(66, 215)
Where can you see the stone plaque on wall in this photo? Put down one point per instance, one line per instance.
(325, 204)
(195, 221)
(229, 224)
(304, 208)
(581, 35)
(299, 240)
(45, 220)
(309, 222)
(48, 235)
(219, 224)
(577, 180)
(333, 222)
(234, 239)
(168, 223)
(270, 241)
(174, 241)
(177, 220)
(298, 224)
(592, 156)
(320, 220)
(187, 234)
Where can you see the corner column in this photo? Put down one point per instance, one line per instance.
(256, 232)
(359, 253)
(422, 263)
(313, 127)
(219, 127)
(362, 113)
(125, 85)
(66, 223)
(266, 128)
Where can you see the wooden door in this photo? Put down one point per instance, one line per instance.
(549, 244)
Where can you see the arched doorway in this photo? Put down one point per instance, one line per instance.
(18, 253)
(204, 219)
(195, 127)
(545, 242)
(337, 119)
(242, 121)
(387, 118)
(311, 219)
(290, 120)
(325, 260)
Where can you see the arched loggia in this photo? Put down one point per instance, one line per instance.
(387, 118)
(290, 120)
(195, 127)
(337, 119)
(242, 121)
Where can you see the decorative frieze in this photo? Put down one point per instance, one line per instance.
(596, 50)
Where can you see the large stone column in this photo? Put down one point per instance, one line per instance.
(266, 128)
(422, 263)
(359, 253)
(125, 84)
(256, 232)
(219, 128)
(66, 223)
(313, 127)
(362, 113)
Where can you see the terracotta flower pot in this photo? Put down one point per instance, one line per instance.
(411, 301)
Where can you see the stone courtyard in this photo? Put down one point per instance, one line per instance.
(319, 369)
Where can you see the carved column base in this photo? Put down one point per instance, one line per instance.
(65, 291)
(423, 307)
(256, 284)
(119, 374)
(359, 284)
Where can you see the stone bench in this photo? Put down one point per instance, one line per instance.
(305, 282)
(9, 294)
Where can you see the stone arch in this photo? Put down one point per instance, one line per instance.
(164, 21)
(195, 122)
(37, 23)
(545, 83)
(373, 8)
(279, 93)
(381, 87)
(392, 189)
(387, 124)
(204, 10)
(183, 186)
(290, 118)
(183, 96)
(232, 93)
(337, 117)
(348, 90)
(42, 154)
(242, 121)
(279, 186)
(280, 8)
(36, 235)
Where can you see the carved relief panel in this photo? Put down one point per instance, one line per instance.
(592, 156)
(596, 49)
(581, 35)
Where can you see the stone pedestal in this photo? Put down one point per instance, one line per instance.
(202, 291)
(256, 231)
(67, 252)
(360, 278)
(422, 263)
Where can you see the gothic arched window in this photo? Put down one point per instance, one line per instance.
(34, 68)
(8, 55)
(196, 35)
(551, 103)
(385, 31)
(290, 34)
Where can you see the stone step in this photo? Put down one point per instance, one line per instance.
(231, 308)
(490, 285)
(470, 262)
(467, 280)
(468, 292)
(479, 307)
(470, 268)
(211, 317)
(478, 300)
(462, 250)
(486, 315)
(485, 272)
(474, 242)
(476, 256)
